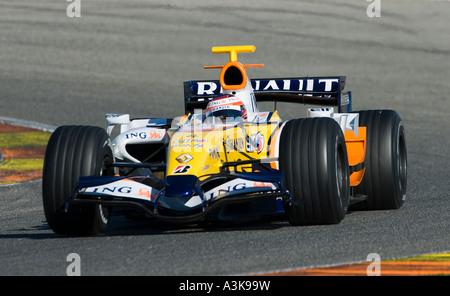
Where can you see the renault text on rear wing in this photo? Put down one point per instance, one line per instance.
(327, 91)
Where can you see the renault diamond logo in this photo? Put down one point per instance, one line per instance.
(184, 158)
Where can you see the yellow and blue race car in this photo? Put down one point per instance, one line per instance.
(225, 160)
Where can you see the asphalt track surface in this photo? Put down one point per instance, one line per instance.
(132, 57)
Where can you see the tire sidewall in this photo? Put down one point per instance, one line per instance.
(385, 176)
(72, 152)
(311, 152)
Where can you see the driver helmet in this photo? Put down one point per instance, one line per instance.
(226, 106)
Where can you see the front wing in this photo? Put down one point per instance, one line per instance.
(183, 198)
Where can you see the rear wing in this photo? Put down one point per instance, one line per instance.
(326, 91)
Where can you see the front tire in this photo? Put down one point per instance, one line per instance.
(313, 158)
(74, 151)
(385, 175)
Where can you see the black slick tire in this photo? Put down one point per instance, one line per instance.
(74, 151)
(385, 175)
(313, 158)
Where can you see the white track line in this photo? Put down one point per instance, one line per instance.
(27, 123)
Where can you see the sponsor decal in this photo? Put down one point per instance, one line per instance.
(145, 192)
(237, 184)
(345, 99)
(223, 107)
(312, 84)
(255, 143)
(124, 188)
(263, 184)
(207, 88)
(196, 143)
(223, 189)
(153, 134)
(261, 117)
(112, 189)
(181, 169)
(184, 158)
(188, 141)
(214, 153)
(234, 143)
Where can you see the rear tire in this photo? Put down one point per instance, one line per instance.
(385, 175)
(313, 158)
(74, 151)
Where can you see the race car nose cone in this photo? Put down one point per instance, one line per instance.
(180, 186)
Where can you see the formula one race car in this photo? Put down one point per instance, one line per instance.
(225, 160)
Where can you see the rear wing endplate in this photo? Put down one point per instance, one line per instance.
(326, 91)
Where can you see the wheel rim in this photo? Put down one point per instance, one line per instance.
(341, 178)
(401, 162)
